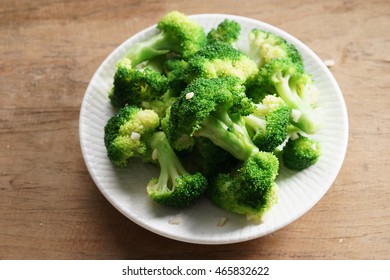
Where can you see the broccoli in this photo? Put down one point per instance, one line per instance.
(177, 34)
(212, 108)
(214, 119)
(126, 133)
(301, 152)
(289, 81)
(133, 132)
(250, 190)
(134, 86)
(268, 124)
(175, 187)
(210, 159)
(227, 31)
(219, 59)
(176, 71)
(265, 46)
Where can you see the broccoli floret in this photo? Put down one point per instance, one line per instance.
(227, 31)
(177, 34)
(212, 108)
(135, 86)
(176, 72)
(289, 81)
(219, 59)
(267, 125)
(251, 189)
(126, 133)
(265, 46)
(175, 187)
(301, 152)
(133, 132)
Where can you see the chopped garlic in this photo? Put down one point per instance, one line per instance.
(329, 62)
(190, 95)
(294, 136)
(295, 114)
(135, 136)
(176, 220)
(222, 221)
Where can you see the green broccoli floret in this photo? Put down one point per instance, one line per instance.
(227, 31)
(126, 134)
(133, 132)
(212, 108)
(135, 86)
(176, 71)
(289, 81)
(301, 152)
(265, 46)
(219, 59)
(175, 187)
(177, 34)
(251, 189)
(267, 125)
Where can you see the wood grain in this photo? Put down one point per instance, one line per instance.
(49, 205)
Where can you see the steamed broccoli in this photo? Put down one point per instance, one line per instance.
(213, 118)
(126, 134)
(133, 132)
(301, 152)
(212, 108)
(268, 124)
(215, 111)
(265, 46)
(175, 187)
(134, 86)
(251, 189)
(219, 59)
(227, 31)
(289, 81)
(177, 34)
(176, 71)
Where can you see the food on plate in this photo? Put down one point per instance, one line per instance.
(218, 121)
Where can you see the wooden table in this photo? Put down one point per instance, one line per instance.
(51, 209)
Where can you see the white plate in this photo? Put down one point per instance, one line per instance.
(125, 188)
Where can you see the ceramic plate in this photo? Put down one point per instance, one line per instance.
(125, 188)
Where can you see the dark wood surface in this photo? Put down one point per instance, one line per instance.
(51, 209)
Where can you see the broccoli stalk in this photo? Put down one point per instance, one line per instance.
(228, 132)
(175, 187)
(177, 33)
(214, 111)
(290, 83)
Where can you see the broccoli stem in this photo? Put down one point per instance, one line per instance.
(228, 134)
(255, 124)
(146, 50)
(308, 121)
(170, 166)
